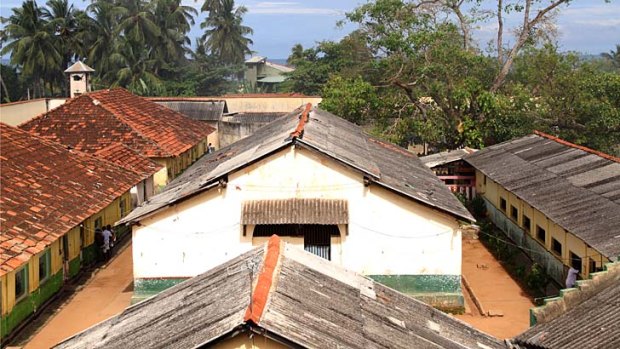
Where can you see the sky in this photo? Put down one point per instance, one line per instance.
(587, 26)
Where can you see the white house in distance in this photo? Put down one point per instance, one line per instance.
(320, 183)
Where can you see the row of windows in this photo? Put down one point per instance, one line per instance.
(21, 276)
(541, 235)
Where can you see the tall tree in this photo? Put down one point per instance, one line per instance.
(225, 35)
(174, 21)
(31, 44)
(613, 57)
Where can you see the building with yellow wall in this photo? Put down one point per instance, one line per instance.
(52, 199)
(96, 120)
(560, 202)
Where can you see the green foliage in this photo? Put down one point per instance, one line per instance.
(478, 207)
(536, 278)
(352, 99)
(225, 36)
(10, 89)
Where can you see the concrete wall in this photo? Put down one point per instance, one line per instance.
(556, 264)
(230, 132)
(17, 113)
(265, 103)
(387, 233)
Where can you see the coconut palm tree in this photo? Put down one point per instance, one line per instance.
(613, 56)
(66, 23)
(175, 21)
(100, 35)
(134, 68)
(137, 22)
(31, 44)
(225, 35)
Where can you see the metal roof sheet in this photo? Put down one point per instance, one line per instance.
(79, 67)
(386, 164)
(295, 211)
(575, 187)
(197, 110)
(285, 291)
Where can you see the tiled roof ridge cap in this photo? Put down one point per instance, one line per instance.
(124, 120)
(303, 119)
(576, 146)
(265, 281)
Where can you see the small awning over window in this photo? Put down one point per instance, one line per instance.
(295, 211)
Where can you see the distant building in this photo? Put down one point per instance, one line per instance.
(236, 116)
(265, 75)
(52, 199)
(279, 296)
(323, 185)
(458, 175)
(96, 120)
(558, 200)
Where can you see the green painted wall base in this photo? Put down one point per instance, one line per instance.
(89, 254)
(440, 291)
(74, 267)
(30, 304)
(146, 288)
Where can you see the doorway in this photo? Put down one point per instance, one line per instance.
(317, 237)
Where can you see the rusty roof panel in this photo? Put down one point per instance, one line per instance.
(575, 187)
(295, 211)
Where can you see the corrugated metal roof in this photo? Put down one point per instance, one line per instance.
(593, 324)
(252, 117)
(446, 157)
(197, 110)
(306, 300)
(577, 189)
(388, 165)
(295, 211)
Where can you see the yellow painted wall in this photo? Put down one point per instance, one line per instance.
(4, 292)
(493, 192)
(175, 165)
(243, 341)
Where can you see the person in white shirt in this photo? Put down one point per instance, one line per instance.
(108, 237)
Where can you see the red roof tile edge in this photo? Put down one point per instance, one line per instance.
(263, 287)
(580, 147)
(302, 121)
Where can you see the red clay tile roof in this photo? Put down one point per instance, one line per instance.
(94, 121)
(129, 159)
(46, 190)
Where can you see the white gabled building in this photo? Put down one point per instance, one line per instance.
(321, 183)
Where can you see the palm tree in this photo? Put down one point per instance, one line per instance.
(174, 21)
(31, 44)
(66, 23)
(613, 57)
(224, 35)
(137, 22)
(133, 68)
(101, 34)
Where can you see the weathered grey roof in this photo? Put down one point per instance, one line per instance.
(272, 79)
(255, 59)
(577, 188)
(252, 117)
(593, 324)
(446, 157)
(295, 211)
(197, 110)
(282, 291)
(79, 67)
(385, 164)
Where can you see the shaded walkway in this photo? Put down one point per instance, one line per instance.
(105, 295)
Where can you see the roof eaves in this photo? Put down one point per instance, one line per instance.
(576, 146)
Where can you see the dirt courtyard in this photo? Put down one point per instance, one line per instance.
(106, 294)
(496, 291)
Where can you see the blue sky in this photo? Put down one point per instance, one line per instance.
(589, 26)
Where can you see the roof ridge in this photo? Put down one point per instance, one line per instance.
(122, 119)
(266, 280)
(303, 119)
(576, 146)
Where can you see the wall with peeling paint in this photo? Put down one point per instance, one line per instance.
(387, 233)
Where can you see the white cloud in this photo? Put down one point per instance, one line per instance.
(289, 8)
(599, 22)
